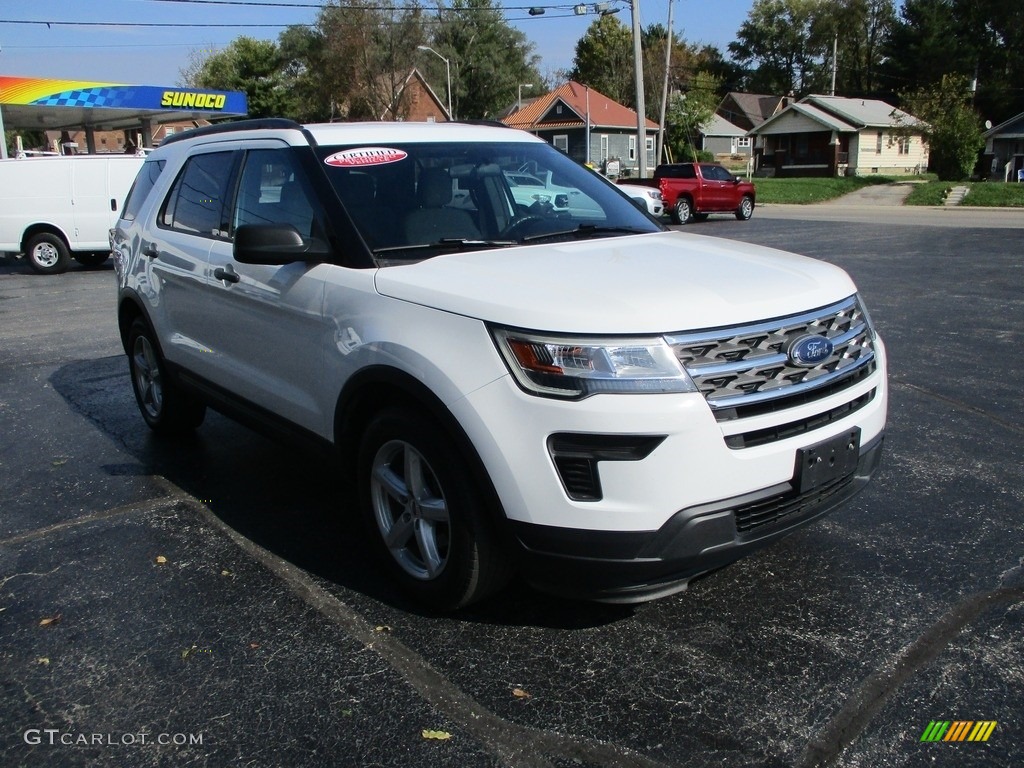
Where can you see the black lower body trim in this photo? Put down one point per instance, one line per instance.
(640, 565)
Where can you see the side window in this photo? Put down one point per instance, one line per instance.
(271, 191)
(687, 172)
(143, 183)
(196, 203)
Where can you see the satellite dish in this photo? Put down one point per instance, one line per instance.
(988, 125)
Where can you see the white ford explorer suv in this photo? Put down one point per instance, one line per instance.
(602, 405)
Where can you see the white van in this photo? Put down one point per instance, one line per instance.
(56, 208)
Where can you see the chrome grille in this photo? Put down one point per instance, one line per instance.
(744, 365)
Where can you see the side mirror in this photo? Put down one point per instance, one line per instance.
(275, 244)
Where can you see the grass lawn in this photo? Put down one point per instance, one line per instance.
(814, 190)
(992, 194)
(927, 192)
(997, 194)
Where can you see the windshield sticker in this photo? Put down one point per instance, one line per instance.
(351, 158)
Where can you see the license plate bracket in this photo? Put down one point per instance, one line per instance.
(826, 461)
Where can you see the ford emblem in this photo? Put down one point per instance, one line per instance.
(809, 350)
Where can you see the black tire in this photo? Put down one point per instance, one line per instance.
(166, 408)
(682, 212)
(745, 209)
(47, 254)
(425, 512)
(91, 258)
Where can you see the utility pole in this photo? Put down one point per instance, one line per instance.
(835, 62)
(664, 88)
(641, 118)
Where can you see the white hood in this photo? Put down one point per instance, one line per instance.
(656, 283)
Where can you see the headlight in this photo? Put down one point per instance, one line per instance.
(654, 194)
(577, 367)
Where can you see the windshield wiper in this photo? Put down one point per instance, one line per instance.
(584, 231)
(452, 243)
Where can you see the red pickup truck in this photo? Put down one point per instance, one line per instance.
(693, 190)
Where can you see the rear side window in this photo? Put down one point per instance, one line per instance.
(196, 203)
(141, 187)
(675, 172)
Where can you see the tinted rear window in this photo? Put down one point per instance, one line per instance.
(143, 183)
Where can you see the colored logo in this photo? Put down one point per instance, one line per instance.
(355, 158)
(809, 350)
(958, 730)
(193, 100)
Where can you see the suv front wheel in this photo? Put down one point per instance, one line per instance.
(166, 408)
(426, 513)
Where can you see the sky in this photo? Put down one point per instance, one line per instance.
(112, 43)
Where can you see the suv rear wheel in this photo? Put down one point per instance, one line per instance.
(166, 408)
(426, 513)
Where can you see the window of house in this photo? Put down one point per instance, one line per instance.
(904, 145)
(632, 147)
(561, 142)
(743, 141)
(604, 146)
(649, 144)
(878, 143)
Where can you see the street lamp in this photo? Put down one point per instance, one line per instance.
(447, 72)
(520, 99)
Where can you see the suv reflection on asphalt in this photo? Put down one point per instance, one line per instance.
(580, 395)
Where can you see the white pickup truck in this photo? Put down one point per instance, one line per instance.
(53, 209)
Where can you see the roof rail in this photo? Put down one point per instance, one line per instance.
(256, 124)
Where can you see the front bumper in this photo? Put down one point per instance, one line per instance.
(628, 567)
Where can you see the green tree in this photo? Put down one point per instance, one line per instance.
(489, 58)
(604, 60)
(368, 50)
(252, 66)
(951, 126)
(302, 59)
(688, 113)
(860, 29)
(982, 40)
(777, 44)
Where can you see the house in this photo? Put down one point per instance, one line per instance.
(588, 126)
(1004, 149)
(835, 136)
(720, 137)
(749, 110)
(415, 101)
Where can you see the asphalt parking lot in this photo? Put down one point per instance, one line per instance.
(210, 602)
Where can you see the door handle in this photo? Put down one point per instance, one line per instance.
(150, 250)
(227, 275)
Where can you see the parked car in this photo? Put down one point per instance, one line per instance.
(56, 208)
(602, 405)
(695, 190)
(532, 191)
(650, 197)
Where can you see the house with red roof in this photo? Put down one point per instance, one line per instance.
(588, 126)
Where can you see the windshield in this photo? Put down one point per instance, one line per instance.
(414, 201)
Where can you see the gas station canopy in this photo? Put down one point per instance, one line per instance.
(43, 104)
